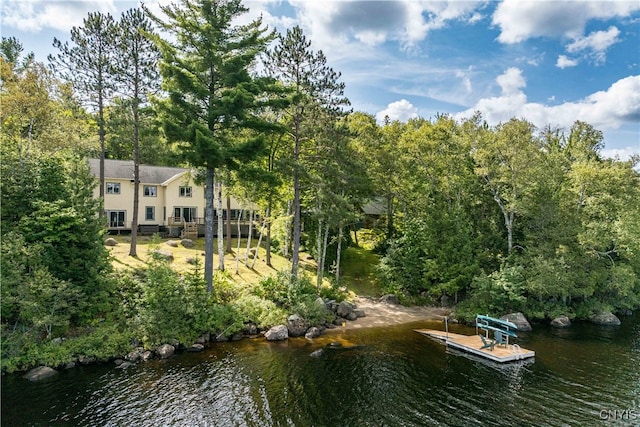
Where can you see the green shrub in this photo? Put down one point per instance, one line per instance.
(286, 291)
(496, 294)
(335, 293)
(221, 320)
(225, 289)
(20, 352)
(262, 312)
(311, 311)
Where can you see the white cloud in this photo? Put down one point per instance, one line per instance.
(34, 16)
(334, 25)
(597, 42)
(511, 81)
(607, 109)
(401, 110)
(464, 76)
(620, 153)
(565, 62)
(520, 20)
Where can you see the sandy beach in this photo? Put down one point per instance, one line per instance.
(385, 314)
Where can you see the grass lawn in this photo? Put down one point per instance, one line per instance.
(357, 266)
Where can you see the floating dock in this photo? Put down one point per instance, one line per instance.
(475, 345)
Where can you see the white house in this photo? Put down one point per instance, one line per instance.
(169, 198)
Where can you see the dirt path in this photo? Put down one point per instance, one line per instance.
(385, 314)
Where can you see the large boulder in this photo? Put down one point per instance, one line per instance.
(40, 373)
(344, 309)
(519, 320)
(134, 355)
(561, 322)
(172, 243)
(606, 319)
(110, 242)
(313, 332)
(296, 325)
(204, 338)
(165, 351)
(187, 243)
(163, 254)
(196, 348)
(277, 333)
(124, 365)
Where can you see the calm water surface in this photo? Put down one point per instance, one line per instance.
(587, 375)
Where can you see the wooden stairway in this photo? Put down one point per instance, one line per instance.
(190, 230)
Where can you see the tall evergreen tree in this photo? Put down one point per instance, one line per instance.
(211, 93)
(88, 64)
(138, 78)
(314, 86)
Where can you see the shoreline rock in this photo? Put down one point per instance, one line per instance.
(40, 373)
(519, 320)
(561, 322)
(606, 319)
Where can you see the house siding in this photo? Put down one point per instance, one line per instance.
(167, 181)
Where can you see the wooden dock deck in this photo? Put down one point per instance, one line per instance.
(473, 343)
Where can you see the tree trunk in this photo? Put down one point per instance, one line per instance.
(355, 235)
(268, 242)
(319, 272)
(238, 246)
(208, 229)
(249, 232)
(296, 202)
(324, 249)
(136, 181)
(220, 230)
(338, 253)
(255, 256)
(509, 217)
(389, 216)
(101, 133)
(287, 238)
(228, 237)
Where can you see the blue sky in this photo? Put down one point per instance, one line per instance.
(550, 62)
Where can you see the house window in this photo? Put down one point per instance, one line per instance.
(185, 192)
(113, 188)
(116, 218)
(150, 213)
(150, 191)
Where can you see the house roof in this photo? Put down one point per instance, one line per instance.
(123, 169)
(377, 206)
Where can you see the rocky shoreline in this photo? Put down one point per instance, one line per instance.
(364, 313)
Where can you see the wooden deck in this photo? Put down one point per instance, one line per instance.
(473, 343)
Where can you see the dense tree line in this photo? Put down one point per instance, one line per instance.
(495, 218)
(511, 218)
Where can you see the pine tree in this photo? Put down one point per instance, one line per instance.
(88, 65)
(138, 78)
(314, 86)
(211, 93)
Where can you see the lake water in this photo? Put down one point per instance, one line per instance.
(583, 376)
